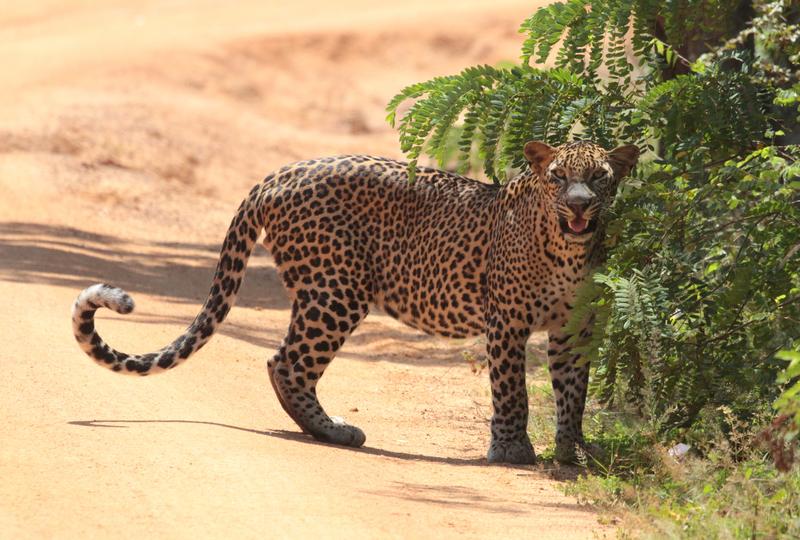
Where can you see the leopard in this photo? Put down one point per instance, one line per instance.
(445, 254)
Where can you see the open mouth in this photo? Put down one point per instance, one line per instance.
(577, 226)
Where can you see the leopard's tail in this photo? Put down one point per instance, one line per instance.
(236, 249)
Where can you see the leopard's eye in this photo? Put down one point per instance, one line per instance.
(598, 174)
(558, 176)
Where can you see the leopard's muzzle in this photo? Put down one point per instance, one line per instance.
(578, 216)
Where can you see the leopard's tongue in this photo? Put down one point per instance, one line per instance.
(577, 225)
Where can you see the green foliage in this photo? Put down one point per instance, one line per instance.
(723, 486)
(715, 108)
(701, 287)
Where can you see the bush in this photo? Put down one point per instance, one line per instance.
(701, 287)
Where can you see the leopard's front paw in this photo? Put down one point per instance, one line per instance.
(517, 451)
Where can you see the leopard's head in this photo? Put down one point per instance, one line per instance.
(581, 179)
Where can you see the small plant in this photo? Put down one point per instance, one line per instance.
(782, 434)
(719, 489)
(476, 363)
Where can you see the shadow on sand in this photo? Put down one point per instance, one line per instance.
(288, 436)
(181, 272)
(432, 492)
(69, 257)
(556, 472)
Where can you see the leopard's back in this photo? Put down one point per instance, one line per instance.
(418, 249)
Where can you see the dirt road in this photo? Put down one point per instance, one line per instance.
(128, 135)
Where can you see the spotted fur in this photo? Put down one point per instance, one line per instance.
(447, 255)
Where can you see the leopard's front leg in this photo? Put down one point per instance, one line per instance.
(570, 378)
(505, 343)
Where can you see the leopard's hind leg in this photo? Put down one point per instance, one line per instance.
(321, 321)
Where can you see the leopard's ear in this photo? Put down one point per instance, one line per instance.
(623, 159)
(539, 155)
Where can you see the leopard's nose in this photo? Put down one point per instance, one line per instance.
(579, 197)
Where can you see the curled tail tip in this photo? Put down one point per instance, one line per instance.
(104, 295)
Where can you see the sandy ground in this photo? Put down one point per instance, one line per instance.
(128, 135)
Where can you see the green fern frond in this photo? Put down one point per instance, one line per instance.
(546, 26)
(501, 110)
(592, 35)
